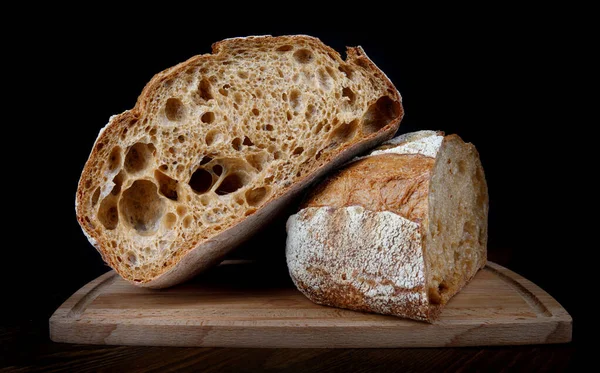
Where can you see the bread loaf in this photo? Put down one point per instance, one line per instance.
(217, 144)
(397, 232)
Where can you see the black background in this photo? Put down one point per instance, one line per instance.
(495, 82)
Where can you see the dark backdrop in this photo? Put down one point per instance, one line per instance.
(493, 84)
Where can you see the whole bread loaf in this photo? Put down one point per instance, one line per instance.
(397, 232)
(217, 144)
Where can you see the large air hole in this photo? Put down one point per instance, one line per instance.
(141, 207)
(108, 213)
(247, 141)
(170, 220)
(217, 169)
(347, 92)
(95, 196)
(114, 159)
(255, 196)
(284, 48)
(380, 114)
(201, 181)
(231, 183)
(208, 117)
(174, 109)
(167, 185)
(344, 132)
(303, 56)
(204, 90)
(118, 180)
(236, 144)
(347, 70)
(138, 157)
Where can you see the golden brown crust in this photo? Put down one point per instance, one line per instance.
(208, 250)
(390, 182)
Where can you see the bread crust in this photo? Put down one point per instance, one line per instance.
(196, 256)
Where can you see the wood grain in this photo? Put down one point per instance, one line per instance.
(245, 305)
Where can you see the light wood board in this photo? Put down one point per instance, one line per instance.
(242, 304)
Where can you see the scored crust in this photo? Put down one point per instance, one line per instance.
(217, 144)
(381, 265)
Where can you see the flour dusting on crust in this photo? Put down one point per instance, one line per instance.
(360, 259)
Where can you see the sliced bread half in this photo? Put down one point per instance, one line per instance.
(217, 144)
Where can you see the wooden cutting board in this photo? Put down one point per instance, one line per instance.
(241, 304)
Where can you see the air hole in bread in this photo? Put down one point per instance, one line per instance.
(231, 183)
(167, 185)
(347, 70)
(114, 160)
(311, 110)
(181, 210)
(380, 114)
(217, 169)
(204, 89)
(181, 138)
(269, 127)
(138, 157)
(95, 196)
(201, 181)
(318, 127)
(108, 213)
(277, 154)
(257, 160)
(247, 141)
(205, 160)
(295, 101)
(187, 221)
(303, 56)
(208, 117)
(284, 48)
(174, 110)
(255, 196)
(142, 207)
(131, 259)
(288, 116)
(238, 98)
(344, 132)
(213, 137)
(236, 144)
(118, 180)
(299, 150)
(170, 220)
(347, 92)
(255, 112)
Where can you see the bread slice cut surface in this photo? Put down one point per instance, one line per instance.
(217, 144)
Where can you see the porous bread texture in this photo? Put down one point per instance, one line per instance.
(409, 265)
(217, 143)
